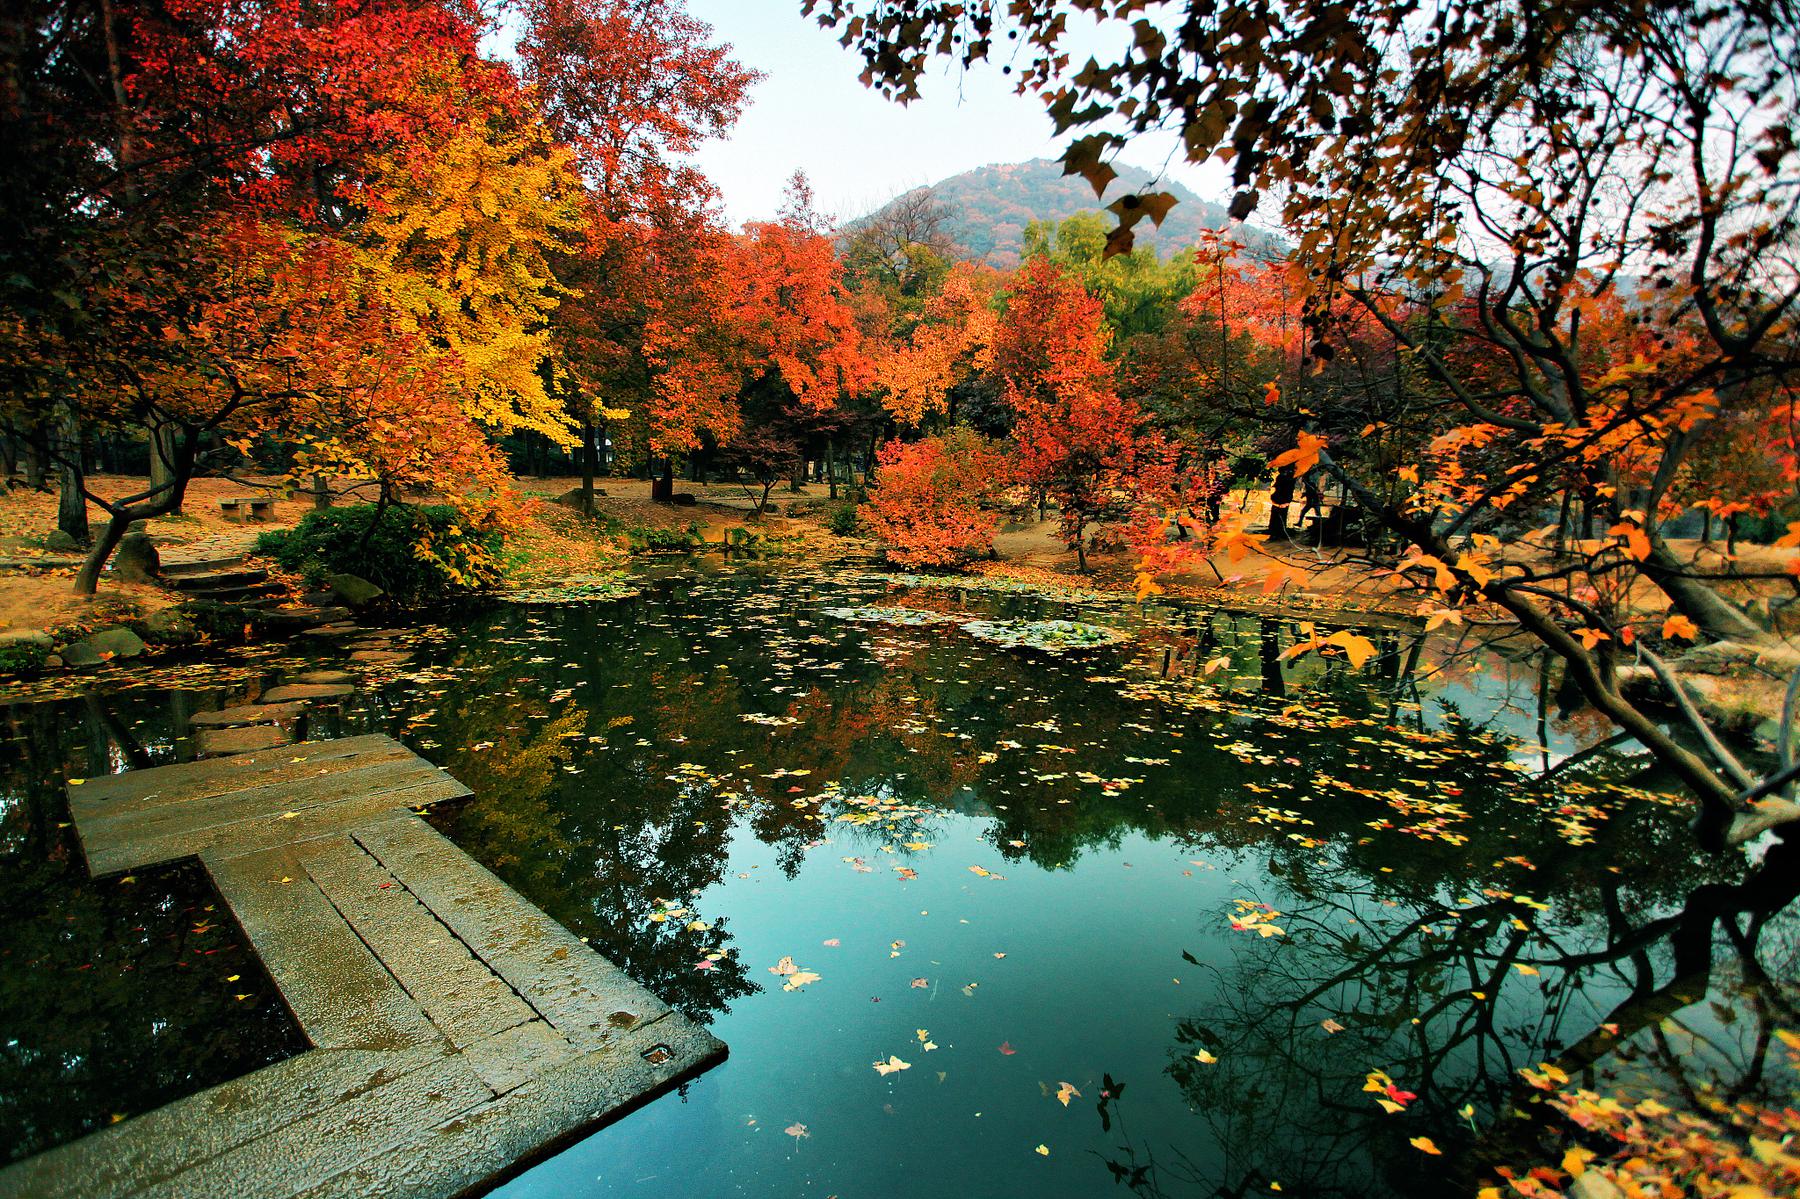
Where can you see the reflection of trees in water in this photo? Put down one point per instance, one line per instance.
(115, 996)
(1627, 985)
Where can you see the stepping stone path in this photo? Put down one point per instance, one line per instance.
(213, 743)
(248, 714)
(293, 691)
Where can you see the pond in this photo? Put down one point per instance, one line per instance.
(978, 916)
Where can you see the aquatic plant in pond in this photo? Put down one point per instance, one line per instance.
(1052, 636)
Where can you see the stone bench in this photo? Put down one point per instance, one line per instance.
(258, 509)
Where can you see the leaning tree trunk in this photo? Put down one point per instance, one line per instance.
(71, 506)
(1717, 617)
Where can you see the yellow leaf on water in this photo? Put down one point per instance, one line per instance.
(1042, 1151)
(1205, 1058)
(1575, 1161)
(1524, 969)
(1424, 1145)
(892, 1065)
(1065, 1092)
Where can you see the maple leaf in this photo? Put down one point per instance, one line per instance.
(1680, 626)
(1065, 1092)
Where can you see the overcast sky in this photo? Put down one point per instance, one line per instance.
(811, 113)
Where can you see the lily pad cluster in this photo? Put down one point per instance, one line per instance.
(575, 591)
(1052, 636)
(895, 616)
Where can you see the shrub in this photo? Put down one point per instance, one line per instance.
(652, 539)
(935, 501)
(415, 554)
(845, 520)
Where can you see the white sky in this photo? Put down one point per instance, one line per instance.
(811, 113)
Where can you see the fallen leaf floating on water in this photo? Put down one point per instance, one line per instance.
(1331, 1026)
(1042, 1151)
(831, 944)
(1425, 1145)
(1205, 1058)
(892, 1065)
(784, 966)
(1065, 1092)
(1391, 1098)
(1007, 1049)
(799, 979)
(797, 1131)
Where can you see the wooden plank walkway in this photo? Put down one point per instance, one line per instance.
(458, 1032)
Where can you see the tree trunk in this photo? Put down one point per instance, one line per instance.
(1717, 617)
(162, 456)
(662, 481)
(831, 465)
(34, 465)
(71, 507)
(1281, 494)
(321, 492)
(587, 467)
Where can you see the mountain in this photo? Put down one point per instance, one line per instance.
(990, 207)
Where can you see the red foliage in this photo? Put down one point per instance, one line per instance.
(1077, 439)
(934, 500)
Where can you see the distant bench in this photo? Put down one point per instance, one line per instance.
(258, 509)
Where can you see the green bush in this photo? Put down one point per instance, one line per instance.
(417, 555)
(648, 539)
(845, 520)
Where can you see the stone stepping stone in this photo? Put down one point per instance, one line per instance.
(332, 630)
(247, 714)
(325, 676)
(379, 657)
(293, 691)
(215, 743)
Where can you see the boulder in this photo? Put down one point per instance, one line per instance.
(61, 542)
(354, 591)
(683, 499)
(136, 559)
(118, 642)
(572, 499)
(168, 627)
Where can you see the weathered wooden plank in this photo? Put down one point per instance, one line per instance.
(334, 1139)
(250, 836)
(492, 1142)
(465, 1000)
(343, 997)
(124, 1157)
(186, 781)
(584, 997)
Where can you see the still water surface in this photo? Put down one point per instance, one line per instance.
(1148, 914)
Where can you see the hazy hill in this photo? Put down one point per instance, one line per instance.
(990, 207)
